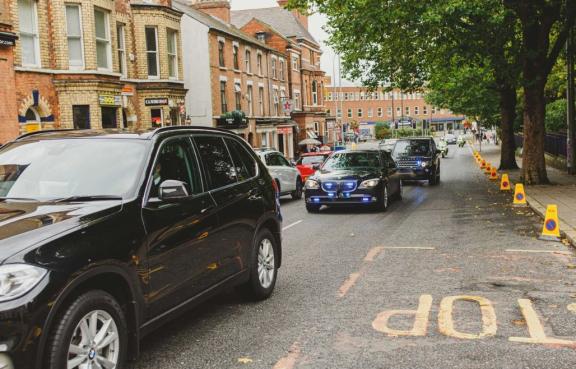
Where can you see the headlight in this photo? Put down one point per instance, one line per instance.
(370, 183)
(312, 184)
(17, 280)
(424, 164)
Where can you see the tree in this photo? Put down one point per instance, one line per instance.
(545, 25)
(382, 130)
(405, 44)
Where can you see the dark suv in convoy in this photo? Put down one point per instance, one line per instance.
(418, 159)
(105, 235)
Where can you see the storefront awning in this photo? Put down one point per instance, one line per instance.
(311, 134)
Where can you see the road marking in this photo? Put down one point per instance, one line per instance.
(373, 253)
(535, 328)
(292, 225)
(408, 248)
(541, 251)
(421, 316)
(572, 308)
(348, 283)
(446, 322)
(289, 361)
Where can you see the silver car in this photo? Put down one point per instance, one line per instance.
(284, 173)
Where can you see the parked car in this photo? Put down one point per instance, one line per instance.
(356, 177)
(310, 162)
(418, 159)
(106, 235)
(443, 147)
(287, 177)
(450, 139)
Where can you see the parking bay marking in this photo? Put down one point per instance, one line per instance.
(446, 322)
(541, 251)
(292, 225)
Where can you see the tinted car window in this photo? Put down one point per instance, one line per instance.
(244, 162)
(51, 169)
(175, 162)
(310, 160)
(217, 162)
(411, 148)
(273, 160)
(283, 161)
(352, 160)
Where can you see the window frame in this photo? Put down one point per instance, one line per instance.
(259, 63)
(108, 40)
(248, 60)
(248, 152)
(238, 96)
(221, 56)
(250, 98)
(122, 55)
(35, 37)
(156, 52)
(80, 37)
(236, 57)
(314, 87)
(223, 97)
(206, 176)
(172, 34)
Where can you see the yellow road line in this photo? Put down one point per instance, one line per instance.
(421, 316)
(289, 361)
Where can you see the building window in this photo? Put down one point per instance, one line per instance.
(346, 97)
(235, 57)
(314, 93)
(350, 114)
(81, 116)
(339, 113)
(297, 105)
(276, 103)
(157, 117)
(380, 112)
(295, 63)
(416, 110)
(425, 110)
(250, 98)
(264, 139)
(329, 97)
(407, 110)
(152, 52)
(389, 111)
(172, 53)
(259, 64)
(248, 61)
(398, 111)
(261, 101)
(122, 63)
(109, 117)
(282, 69)
(221, 60)
(74, 34)
(223, 100)
(362, 96)
(238, 96)
(274, 74)
(433, 110)
(360, 113)
(103, 55)
(370, 113)
(282, 100)
(28, 18)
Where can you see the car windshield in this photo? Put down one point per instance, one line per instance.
(352, 160)
(311, 160)
(411, 148)
(56, 169)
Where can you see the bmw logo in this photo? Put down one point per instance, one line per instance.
(92, 354)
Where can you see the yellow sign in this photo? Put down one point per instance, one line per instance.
(110, 100)
(505, 183)
(551, 228)
(519, 195)
(32, 127)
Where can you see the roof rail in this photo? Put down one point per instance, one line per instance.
(161, 130)
(43, 131)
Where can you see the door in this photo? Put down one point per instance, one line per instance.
(223, 178)
(290, 173)
(180, 233)
(392, 170)
(280, 168)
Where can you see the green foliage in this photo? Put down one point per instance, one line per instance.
(407, 132)
(556, 116)
(382, 130)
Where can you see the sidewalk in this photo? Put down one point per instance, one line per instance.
(561, 192)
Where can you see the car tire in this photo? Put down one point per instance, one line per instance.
(384, 200)
(297, 194)
(67, 329)
(311, 208)
(263, 267)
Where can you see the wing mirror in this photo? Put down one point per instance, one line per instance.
(172, 190)
(316, 166)
(438, 151)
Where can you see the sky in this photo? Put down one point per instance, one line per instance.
(315, 24)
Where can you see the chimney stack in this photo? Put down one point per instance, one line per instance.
(216, 8)
(302, 18)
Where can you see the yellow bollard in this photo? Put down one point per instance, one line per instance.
(551, 227)
(519, 195)
(505, 183)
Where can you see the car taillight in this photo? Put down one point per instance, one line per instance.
(275, 187)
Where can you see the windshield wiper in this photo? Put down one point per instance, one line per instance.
(89, 198)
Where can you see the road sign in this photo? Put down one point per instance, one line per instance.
(287, 106)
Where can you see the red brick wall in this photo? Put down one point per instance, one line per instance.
(8, 108)
(28, 82)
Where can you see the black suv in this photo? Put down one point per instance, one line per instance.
(104, 235)
(418, 159)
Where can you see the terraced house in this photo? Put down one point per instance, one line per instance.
(235, 81)
(91, 64)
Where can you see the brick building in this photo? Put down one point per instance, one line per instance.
(287, 32)
(234, 80)
(93, 64)
(368, 107)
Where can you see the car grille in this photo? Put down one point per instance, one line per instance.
(340, 186)
(406, 163)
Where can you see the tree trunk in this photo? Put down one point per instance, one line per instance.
(533, 161)
(508, 102)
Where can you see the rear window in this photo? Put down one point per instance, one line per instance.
(411, 148)
(310, 160)
(217, 162)
(352, 160)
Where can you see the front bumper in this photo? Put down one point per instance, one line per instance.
(415, 173)
(357, 197)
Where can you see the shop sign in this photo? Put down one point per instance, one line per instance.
(7, 39)
(156, 101)
(284, 130)
(287, 106)
(128, 91)
(110, 100)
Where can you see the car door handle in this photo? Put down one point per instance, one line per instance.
(255, 194)
(206, 209)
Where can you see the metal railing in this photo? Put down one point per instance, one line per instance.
(554, 143)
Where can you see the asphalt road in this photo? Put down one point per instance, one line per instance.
(352, 281)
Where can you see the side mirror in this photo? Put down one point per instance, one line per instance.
(438, 151)
(172, 190)
(316, 166)
(293, 163)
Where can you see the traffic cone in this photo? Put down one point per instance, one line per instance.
(505, 183)
(519, 195)
(493, 174)
(488, 168)
(483, 164)
(551, 228)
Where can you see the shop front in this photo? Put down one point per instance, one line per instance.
(162, 111)
(285, 134)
